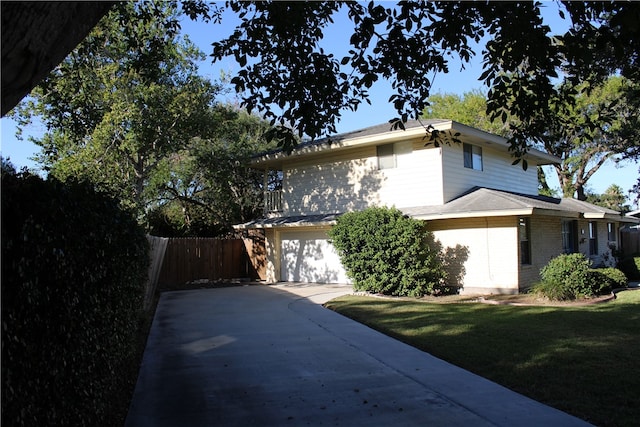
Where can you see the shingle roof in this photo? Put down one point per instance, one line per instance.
(371, 130)
(480, 201)
(368, 131)
(477, 202)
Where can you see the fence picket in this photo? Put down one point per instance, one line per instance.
(198, 258)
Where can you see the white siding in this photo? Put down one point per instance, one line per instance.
(417, 179)
(308, 256)
(492, 244)
(353, 182)
(347, 183)
(497, 173)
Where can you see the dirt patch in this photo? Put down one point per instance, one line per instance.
(519, 299)
(530, 299)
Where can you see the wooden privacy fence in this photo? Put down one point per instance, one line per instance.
(630, 241)
(195, 258)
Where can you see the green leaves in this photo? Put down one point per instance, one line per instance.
(409, 42)
(124, 100)
(385, 252)
(74, 267)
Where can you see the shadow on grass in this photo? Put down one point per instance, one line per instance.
(582, 360)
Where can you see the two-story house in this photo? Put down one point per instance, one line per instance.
(469, 193)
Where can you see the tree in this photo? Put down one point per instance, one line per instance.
(470, 109)
(584, 131)
(287, 76)
(596, 126)
(293, 81)
(208, 186)
(283, 66)
(613, 198)
(122, 101)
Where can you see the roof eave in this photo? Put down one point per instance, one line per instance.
(276, 158)
(474, 214)
(541, 157)
(247, 226)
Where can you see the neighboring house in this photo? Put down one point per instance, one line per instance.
(469, 193)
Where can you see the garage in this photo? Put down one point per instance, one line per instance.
(308, 256)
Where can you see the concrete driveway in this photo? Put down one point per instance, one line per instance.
(273, 356)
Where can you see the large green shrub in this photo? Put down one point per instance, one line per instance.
(570, 276)
(630, 267)
(73, 270)
(385, 252)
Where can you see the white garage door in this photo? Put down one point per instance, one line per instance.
(307, 256)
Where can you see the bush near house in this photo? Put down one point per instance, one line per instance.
(570, 276)
(613, 278)
(630, 267)
(385, 252)
(73, 271)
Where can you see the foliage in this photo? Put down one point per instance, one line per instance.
(470, 109)
(613, 198)
(127, 97)
(555, 355)
(208, 187)
(570, 276)
(595, 125)
(630, 266)
(611, 278)
(73, 272)
(408, 43)
(385, 252)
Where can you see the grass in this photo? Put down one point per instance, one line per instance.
(580, 359)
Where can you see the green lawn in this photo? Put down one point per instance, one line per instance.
(583, 360)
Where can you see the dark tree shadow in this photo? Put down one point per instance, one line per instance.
(453, 260)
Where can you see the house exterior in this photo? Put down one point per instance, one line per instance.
(470, 195)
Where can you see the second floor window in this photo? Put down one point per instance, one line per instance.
(472, 156)
(386, 156)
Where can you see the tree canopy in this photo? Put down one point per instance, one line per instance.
(124, 99)
(207, 187)
(128, 111)
(288, 77)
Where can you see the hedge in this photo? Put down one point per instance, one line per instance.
(73, 271)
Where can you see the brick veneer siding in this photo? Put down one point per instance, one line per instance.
(546, 243)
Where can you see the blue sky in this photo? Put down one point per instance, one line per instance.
(457, 81)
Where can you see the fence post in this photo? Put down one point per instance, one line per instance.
(157, 249)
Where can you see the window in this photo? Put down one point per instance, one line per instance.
(386, 156)
(472, 156)
(569, 236)
(611, 232)
(524, 234)
(593, 238)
